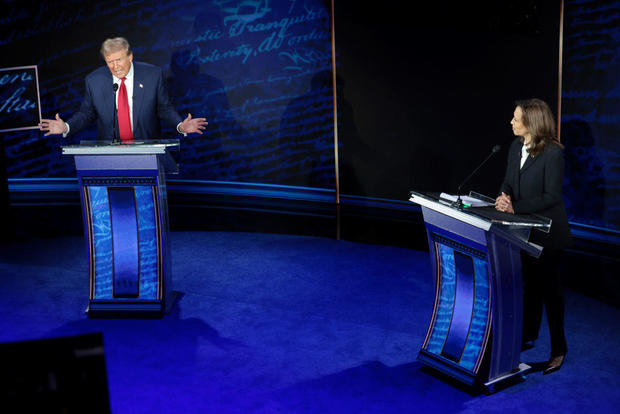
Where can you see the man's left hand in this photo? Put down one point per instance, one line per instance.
(190, 125)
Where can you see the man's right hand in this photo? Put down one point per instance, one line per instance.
(53, 126)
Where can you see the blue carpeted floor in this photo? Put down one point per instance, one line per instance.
(289, 324)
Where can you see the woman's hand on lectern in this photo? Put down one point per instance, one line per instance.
(53, 126)
(504, 203)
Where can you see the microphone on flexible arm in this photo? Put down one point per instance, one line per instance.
(115, 139)
(459, 203)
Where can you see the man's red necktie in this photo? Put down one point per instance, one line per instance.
(124, 121)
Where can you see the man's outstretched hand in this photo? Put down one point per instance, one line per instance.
(190, 125)
(53, 126)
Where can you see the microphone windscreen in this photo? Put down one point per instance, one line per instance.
(496, 148)
(115, 86)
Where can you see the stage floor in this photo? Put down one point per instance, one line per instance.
(268, 323)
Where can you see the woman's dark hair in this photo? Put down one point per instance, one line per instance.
(538, 120)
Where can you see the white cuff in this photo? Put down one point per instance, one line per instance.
(179, 130)
(64, 134)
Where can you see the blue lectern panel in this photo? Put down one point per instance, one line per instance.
(124, 242)
(149, 250)
(443, 315)
(461, 321)
(481, 317)
(463, 307)
(102, 241)
(127, 254)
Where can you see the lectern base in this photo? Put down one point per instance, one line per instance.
(125, 309)
(517, 375)
(132, 309)
(458, 373)
(447, 367)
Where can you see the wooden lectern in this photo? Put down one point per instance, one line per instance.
(124, 207)
(474, 333)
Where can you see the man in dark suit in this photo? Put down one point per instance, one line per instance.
(142, 102)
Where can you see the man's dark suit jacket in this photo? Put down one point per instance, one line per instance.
(537, 188)
(150, 104)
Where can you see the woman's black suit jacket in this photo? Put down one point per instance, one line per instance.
(537, 188)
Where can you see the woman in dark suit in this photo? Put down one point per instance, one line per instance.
(533, 184)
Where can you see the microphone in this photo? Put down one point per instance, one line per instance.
(459, 203)
(115, 139)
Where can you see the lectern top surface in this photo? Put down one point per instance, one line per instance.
(475, 214)
(109, 147)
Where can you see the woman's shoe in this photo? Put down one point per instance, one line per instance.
(554, 364)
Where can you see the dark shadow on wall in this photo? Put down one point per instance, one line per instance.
(358, 163)
(584, 191)
(305, 145)
(306, 141)
(219, 153)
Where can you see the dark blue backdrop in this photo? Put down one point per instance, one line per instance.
(591, 111)
(260, 71)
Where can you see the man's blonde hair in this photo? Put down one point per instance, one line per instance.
(114, 45)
